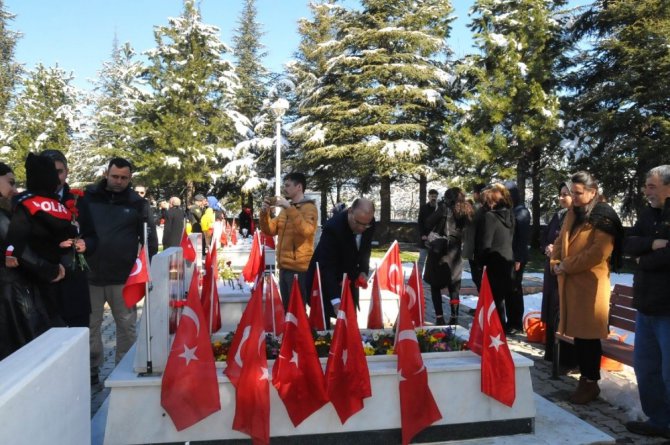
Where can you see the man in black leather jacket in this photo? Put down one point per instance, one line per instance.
(119, 214)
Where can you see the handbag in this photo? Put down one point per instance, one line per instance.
(438, 243)
(536, 330)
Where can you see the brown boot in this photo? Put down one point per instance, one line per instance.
(587, 390)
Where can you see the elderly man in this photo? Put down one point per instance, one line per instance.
(295, 225)
(648, 242)
(119, 214)
(174, 224)
(344, 247)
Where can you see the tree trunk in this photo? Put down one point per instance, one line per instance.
(536, 183)
(423, 187)
(324, 205)
(190, 188)
(385, 210)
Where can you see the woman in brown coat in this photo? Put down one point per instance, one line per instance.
(591, 235)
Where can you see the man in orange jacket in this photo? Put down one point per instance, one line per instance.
(295, 225)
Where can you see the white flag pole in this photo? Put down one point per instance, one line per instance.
(272, 305)
(147, 305)
(318, 278)
(420, 296)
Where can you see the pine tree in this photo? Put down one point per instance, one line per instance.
(9, 69)
(184, 126)
(117, 95)
(619, 103)
(254, 142)
(46, 115)
(383, 89)
(511, 113)
(308, 71)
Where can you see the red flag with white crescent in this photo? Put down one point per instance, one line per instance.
(389, 271)
(347, 374)
(189, 387)
(274, 309)
(418, 409)
(415, 297)
(247, 369)
(135, 287)
(487, 339)
(187, 247)
(297, 373)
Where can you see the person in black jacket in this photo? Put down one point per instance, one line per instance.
(493, 244)
(174, 224)
(119, 214)
(648, 243)
(425, 211)
(444, 266)
(344, 247)
(40, 223)
(514, 301)
(73, 291)
(23, 316)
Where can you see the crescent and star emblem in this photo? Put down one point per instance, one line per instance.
(190, 313)
(137, 268)
(238, 353)
(290, 318)
(412, 296)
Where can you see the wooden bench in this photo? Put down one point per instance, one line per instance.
(622, 315)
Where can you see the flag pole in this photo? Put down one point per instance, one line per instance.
(147, 306)
(419, 284)
(318, 278)
(372, 297)
(272, 306)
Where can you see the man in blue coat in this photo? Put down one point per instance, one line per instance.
(344, 247)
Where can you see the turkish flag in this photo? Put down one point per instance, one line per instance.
(210, 293)
(135, 286)
(487, 339)
(375, 317)
(297, 373)
(233, 234)
(317, 317)
(189, 388)
(224, 238)
(267, 241)
(389, 271)
(247, 369)
(187, 247)
(415, 296)
(347, 375)
(256, 261)
(418, 409)
(274, 309)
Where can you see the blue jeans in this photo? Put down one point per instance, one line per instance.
(652, 367)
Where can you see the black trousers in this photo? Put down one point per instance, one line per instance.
(589, 352)
(514, 300)
(436, 295)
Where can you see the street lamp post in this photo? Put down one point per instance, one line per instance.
(279, 109)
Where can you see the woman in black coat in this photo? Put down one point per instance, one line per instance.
(493, 244)
(444, 265)
(550, 306)
(22, 316)
(40, 223)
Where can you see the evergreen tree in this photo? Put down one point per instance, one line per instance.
(254, 142)
(117, 94)
(46, 115)
(619, 103)
(511, 113)
(319, 36)
(184, 126)
(383, 89)
(9, 69)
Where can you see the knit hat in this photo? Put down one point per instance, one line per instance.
(41, 175)
(199, 197)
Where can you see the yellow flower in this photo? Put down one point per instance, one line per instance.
(390, 351)
(369, 350)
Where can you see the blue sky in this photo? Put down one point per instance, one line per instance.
(78, 34)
